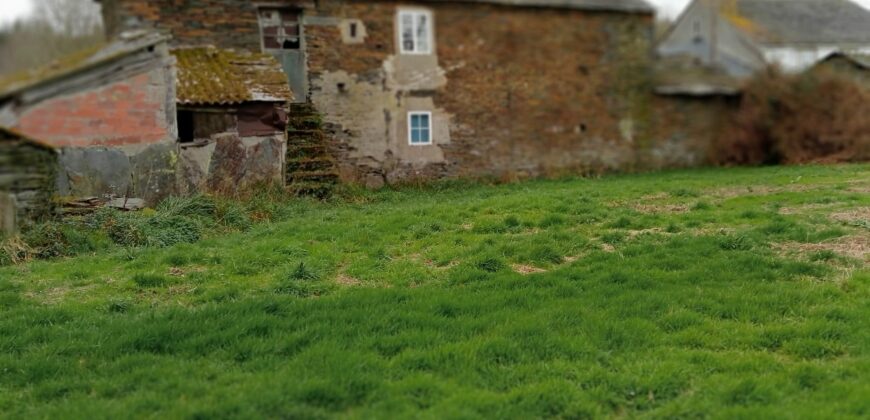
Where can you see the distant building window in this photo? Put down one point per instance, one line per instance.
(279, 28)
(698, 37)
(420, 128)
(415, 31)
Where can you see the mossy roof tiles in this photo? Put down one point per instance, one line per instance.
(213, 76)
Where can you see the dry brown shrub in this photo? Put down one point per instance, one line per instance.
(817, 116)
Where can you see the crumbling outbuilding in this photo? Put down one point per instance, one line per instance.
(110, 112)
(232, 118)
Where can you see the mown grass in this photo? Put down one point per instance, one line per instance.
(713, 293)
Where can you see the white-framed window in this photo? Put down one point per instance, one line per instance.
(415, 31)
(420, 128)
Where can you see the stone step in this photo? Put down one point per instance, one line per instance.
(327, 176)
(312, 151)
(317, 190)
(320, 163)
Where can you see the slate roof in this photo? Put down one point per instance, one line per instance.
(9, 134)
(791, 22)
(631, 6)
(212, 76)
(79, 62)
(860, 60)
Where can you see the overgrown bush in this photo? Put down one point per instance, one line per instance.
(174, 221)
(817, 116)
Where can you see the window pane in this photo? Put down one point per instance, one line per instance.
(407, 30)
(415, 136)
(423, 31)
(415, 121)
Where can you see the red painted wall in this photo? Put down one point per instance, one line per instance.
(129, 112)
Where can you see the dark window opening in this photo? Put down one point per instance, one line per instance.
(279, 29)
(185, 127)
(291, 44)
(353, 30)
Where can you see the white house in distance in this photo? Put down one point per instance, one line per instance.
(740, 37)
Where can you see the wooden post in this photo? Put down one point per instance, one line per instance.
(8, 213)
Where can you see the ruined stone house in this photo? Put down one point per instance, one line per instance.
(27, 180)
(431, 89)
(741, 37)
(133, 118)
(109, 110)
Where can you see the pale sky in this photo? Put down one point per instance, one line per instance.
(11, 10)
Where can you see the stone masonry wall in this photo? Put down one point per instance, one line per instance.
(513, 91)
(222, 23)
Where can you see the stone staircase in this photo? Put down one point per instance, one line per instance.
(310, 169)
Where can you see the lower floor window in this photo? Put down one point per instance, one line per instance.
(420, 128)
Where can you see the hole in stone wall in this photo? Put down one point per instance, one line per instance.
(185, 127)
(582, 128)
(353, 30)
(341, 87)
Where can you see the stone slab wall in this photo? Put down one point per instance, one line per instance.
(27, 181)
(226, 161)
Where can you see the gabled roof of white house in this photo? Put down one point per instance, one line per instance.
(796, 22)
(629, 6)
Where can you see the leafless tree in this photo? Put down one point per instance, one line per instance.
(56, 29)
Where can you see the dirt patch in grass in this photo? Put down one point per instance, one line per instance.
(856, 246)
(804, 209)
(527, 270)
(734, 192)
(652, 231)
(345, 280)
(662, 208)
(858, 215)
(58, 295)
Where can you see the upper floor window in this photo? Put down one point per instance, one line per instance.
(415, 31)
(279, 28)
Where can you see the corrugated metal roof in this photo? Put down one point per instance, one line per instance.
(212, 76)
(80, 62)
(633, 6)
(790, 22)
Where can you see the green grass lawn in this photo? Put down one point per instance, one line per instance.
(712, 293)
